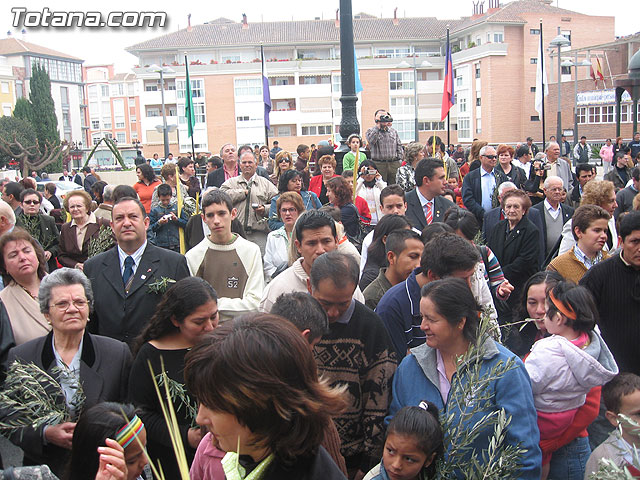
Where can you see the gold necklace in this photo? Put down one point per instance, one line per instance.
(35, 297)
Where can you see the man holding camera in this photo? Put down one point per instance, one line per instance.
(385, 145)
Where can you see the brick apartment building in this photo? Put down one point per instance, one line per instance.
(494, 63)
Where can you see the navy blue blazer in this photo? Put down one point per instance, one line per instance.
(472, 191)
(567, 213)
(415, 212)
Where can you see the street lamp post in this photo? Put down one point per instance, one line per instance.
(559, 42)
(575, 64)
(349, 122)
(165, 131)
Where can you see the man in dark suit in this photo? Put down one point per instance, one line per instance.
(479, 187)
(229, 169)
(554, 214)
(122, 276)
(425, 203)
(65, 177)
(493, 216)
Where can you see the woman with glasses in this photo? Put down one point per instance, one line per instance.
(276, 259)
(291, 181)
(89, 368)
(283, 162)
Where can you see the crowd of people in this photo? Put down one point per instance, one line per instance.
(316, 325)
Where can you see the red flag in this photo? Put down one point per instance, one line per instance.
(599, 69)
(593, 74)
(448, 98)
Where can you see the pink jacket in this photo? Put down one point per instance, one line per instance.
(606, 153)
(207, 464)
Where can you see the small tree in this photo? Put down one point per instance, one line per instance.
(43, 109)
(23, 110)
(17, 139)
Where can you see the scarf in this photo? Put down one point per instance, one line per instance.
(234, 471)
(24, 314)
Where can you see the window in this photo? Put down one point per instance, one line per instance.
(106, 122)
(244, 118)
(95, 124)
(243, 87)
(582, 115)
(132, 118)
(535, 118)
(430, 126)
(498, 38)
(64, 95)
(93, 92)
(594, 114)
(104, 90)
(533, 61)
(315, 79)
(336, 84)
(153, 112)
(171, 86)
(478, 101)
(608, 115)
(400, 80)
(230, 58)
(566, 34)
(478, 125)
(428, 75)
(533, 89)
(198, 111)
(488, 38)
(131, 89)
(406, 129)
(393, 52)
(458, 75)
(150, 87)
(283, 131)
(96, 139)
(316, 130)
(117, 90)
(6, 110)
(81, 95)
(119, 122)
(172, 111)
(402, 105)
(463, 128)
(566, 70)
(277, 81)
(121, 137)
(283, 105)
(477, 70)
(534, 31)
(5, 87)
(462, 105)
(197, 88)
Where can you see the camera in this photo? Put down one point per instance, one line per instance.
(385, 119)
(166, 217)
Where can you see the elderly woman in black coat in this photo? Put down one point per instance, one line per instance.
(514, 241)
(72, 357)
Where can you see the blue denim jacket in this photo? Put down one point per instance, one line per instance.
(166, 235)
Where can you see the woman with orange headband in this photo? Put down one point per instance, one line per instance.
(566, 365)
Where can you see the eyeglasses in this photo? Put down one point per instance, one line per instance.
(31, 202)
(492, 157)
(288, 210)
(64, 305)
(284, 160)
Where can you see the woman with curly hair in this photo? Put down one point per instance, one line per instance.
(318, 184)
(340, 195)
(187, 311)
(259, 396)
(283, 162)
(146, 184)
(603, 194)
(413, 153)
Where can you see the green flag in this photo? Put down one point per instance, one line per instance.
(188, 102)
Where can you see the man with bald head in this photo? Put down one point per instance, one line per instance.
(554, 213)
(559, 166)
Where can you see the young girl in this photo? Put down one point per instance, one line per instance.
(355, 143)
(566, 365)
(412, 445)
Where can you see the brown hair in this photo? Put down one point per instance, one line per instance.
(597, 192)
(291, 197)
(341, 190)
(474, 153)
(78, 193)
(502, 148)
(526, 201)
(279, 156)
(619, 386)
(168, 170)
(585, 215)
(259, 369)
(19, 234)
(327, 159)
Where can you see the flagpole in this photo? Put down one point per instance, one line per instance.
(193, 146)
(544, 134)
(449, 112)
(266, 114)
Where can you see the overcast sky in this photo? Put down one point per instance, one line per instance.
(106, 45)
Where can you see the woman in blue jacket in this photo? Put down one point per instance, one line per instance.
(291, 181)
(450, 322)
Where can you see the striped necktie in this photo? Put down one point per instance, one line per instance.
(428, 208)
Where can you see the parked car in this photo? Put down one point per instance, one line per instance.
(62, 188)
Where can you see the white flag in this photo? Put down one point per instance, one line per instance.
(541, 77)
